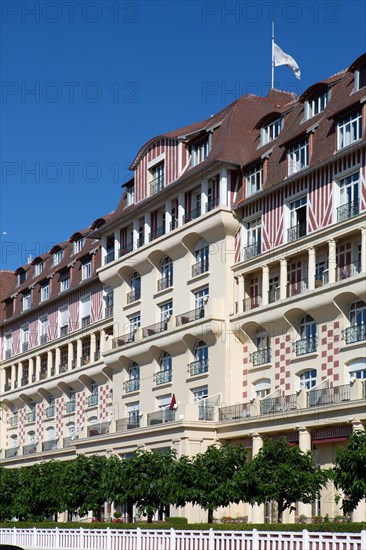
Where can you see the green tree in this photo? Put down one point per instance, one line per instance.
(284, 474)
(8, 489)
(214, 475)
(349, 472)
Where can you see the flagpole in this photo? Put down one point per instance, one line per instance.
(273, 65)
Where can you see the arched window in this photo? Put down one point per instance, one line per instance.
(50, 433)
(31, 436)
(200, 364)
(165, 373)
(308, 379)
(70, 426)
(308, 336)
(263, 345)
(201, 253)
(262, 388)
(14, 440)
(135, 284)
(166, 272)
(357, 317)
(357, 369)
(133, 382)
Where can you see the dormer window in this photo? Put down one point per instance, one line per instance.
(78, 245)
(254, 179)
(360, 77)
(57, 256)
(130, 195)
(349, 129)
(21, 277)
(298, 157)
(38, 268)
(200, 151)
(271, 131)
(157, 178)
(316, 105)
(26, 300)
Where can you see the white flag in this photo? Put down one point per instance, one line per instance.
(282, 58)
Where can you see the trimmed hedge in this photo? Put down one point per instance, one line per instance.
(180, 525)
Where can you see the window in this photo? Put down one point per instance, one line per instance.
(38, 268)
(93, 397)
(298, 219)
(166, 311)
(45, 291)
(308, 379)
(135, 284)
(133, 382)
(297, 157)
(357, 317)
(7, 345)
(272, 131)
(108, 299)
(263, 353)
(26, 300)
(165, 374)
(357, 369)
(200, 298)
(85, 309)
(21, 277)
(349, 129)
(86, 269)
(200, 151)
(199, 393)
(9, 308)
(201, 264)
(349, 197)
(133, 414)
(57, 257)
(157, 178)
(134, 322)
(78, 245)
(253, 239)
(200, 364)
(130, 195)
(64, 280)
(316, 105)
(43, 330)
(63, 320)
(254, 179)
(262, 388)
(166, 272)
(360, 77)
(308, 336)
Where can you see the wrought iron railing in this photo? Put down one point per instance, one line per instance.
(161, 417)
(133, 295)
(108, 312)
(109, 257)
(92, 400)
(278, 404)
(296, 232)
(156, 185)
(252, 302)
(325, 396)
(128, 423)
(212, 203)
(49, 445)
(348, 210)
(356, 333)
(251, 251)
(163, 377)
(126, 248)
(131, 385)
(124, 339)
(154, 329)
(50, 411)
(306, 345)
(349, 270)
(190, 316)
(30, 449)
(200, 267)
(158, 232)
(70, 406)
(198, 367)
(31, 416)
(261, 357)
(239, 411)
(297, 287)
(165, 282)
(192, 214)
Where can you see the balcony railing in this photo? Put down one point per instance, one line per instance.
(131, 385)
(25, 346)
(156, 185)
(158, 232)
(321, 279)
(200, 267)
(296, 232)
(53, 370)
(173, 224)
(252, 302)
(92, 400)
(212, 203)
(64, 331)
(24, 381)
(30, 449)
(206, 412)
(278, 404)
(10, 453)
(133, 295)
(69, 440)
(326, 396)
(14, 421)
(163, 377)
(43, 374)
(190, 316)
(192, 214)
(7, 387)
(129, 423)
(126, 248)
(85, 359)
(63, 367)
(98, 429)
(96, 355)
(73, 364)
(239, 411)
(31, 416)
(49, 445)
(296, 288)
(7, 353)
(251, 251)
(198, 367)
(307, 345)
(43, 339)
(85, 321)
(33, 378)
(347, 271)
(108, 312)
(348, 210)
(355, 334)
(165, 282)
(70, 406)
(261, 357)
(155, 329)
(124, 339)
(160, 417)
(109, 257)
(50, 411)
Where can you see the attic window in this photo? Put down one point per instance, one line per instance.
(78, 245)
(360, 77)
(57, 256)
(254, 178)
(38, 268)
(21, 276)
(271, 131)
(130, 195)
(316, 105)
(200, 151)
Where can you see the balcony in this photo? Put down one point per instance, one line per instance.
(158, 232)
(109, 257)
(200, 267)
(64, 331)
(347, 271)
(70, 406)
(126, 248)
(43, 339)
(108, 312)
(155, 329)
(7, 353)
(156, 185)
(252, 302)
(131, 385)
(278, 404)
(165, 282)
(134, 295)
(62, 367)
(296, 288)
(7, 387)
(296, 232)
(307, 345)
(30, 449)
(212, 203)
(129, 423)
(261, 357)
(12, 452)
(85, 359)
(69, 441)
(96, 355)
(321, 279)
(43, 374)
(85, 321)
(347, 211)
(140, 242)
(190, 316)
(206, 412)
(31, 417)
(326, 396)
(252, 251)
(33, 378)
(192, 214)
(96, 430)
(13, 421)
(73, 364)
(173, 224)
(198, 367)
(355, 334)
(163, 377)
(24, 381)
(49, 445)
(92, 400)
(50, 411)
(124, 339)
(53, 370)
(25, 346)
(160, 417)
(239, 411)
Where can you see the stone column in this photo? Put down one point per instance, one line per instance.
(332, 260)
(13, 375)
(265, 284)
(49, 363)
(304, 445)
(311, 268)
(79, 352)
(70, 355)
(38, 367)
(57, 360)
(283, 278)
(363, 249)
(257, 515)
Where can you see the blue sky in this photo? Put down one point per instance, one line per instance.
(86, 83)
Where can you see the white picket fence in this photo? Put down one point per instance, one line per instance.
(146, 539)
